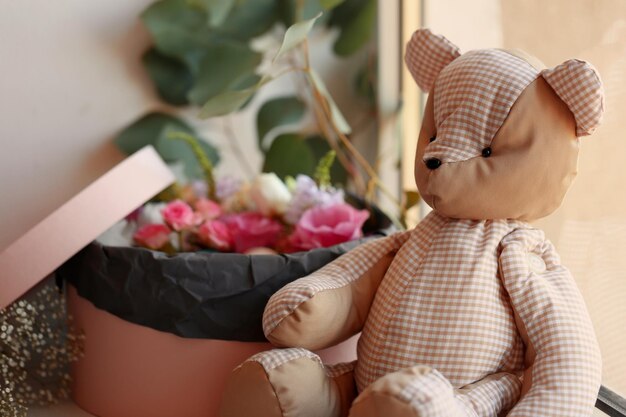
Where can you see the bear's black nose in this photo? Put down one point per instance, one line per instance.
(433, 163)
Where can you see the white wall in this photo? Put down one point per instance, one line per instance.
(70, 78)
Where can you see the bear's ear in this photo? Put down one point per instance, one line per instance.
(426, 55)
(578, 84)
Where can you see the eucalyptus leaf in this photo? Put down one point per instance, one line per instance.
(178, 30)
(249, 18)
(277, 112)
(336, 114)
(225, 64)
(330, 4)
(218, 10)
(295, 34)
(289, 155)
(152, 129)
(226, 102)
(310, 8)
(171, 77)
(355, 19)
(146, 130)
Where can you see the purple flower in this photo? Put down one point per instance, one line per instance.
(226, 187)
(306, 195)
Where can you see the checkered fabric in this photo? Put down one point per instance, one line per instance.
(272, 359)
(445, 304)
(334, 275)
(472, 98)
(577, 83)
(566, 370)
(426, 55)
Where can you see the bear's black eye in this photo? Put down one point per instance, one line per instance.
(432, 139)
(487, 152)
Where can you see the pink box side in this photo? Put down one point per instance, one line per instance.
(79, 221)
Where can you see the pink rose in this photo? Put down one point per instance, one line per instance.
(253, 230)
(179, 215)
(152, 236)
(324, 226)
(208, 209)
(216, 234)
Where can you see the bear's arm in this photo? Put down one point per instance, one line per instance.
(563, 365)
(331, 304)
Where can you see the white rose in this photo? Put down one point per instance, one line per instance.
(270, 194)
(151, 214)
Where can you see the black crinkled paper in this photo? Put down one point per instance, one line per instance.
(197, 294)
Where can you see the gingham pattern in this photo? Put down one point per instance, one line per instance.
(272, 359)
(426, 55)
(442, 305)
(566, 371)
(432, 395)
(492, 395)
(448, 302)
(472, 98)
(577, 83)
(334, 275)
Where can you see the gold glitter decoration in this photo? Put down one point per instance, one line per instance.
(37, 344)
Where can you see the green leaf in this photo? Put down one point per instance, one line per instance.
(330, 4)
(226, 103)
(355, 19)
(224, 65)
(152, 129)
(336, 114)
(249, 18)
(218, 10)
(295, 34)
(310, 8)
(320, 147)
(289, 155)
(171, 77)
(277, 112)
(146, 130)
(178, 30)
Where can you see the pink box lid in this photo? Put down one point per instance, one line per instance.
(80, 220)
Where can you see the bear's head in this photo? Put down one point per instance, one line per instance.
(499, 137)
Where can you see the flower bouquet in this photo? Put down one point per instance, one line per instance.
(202, 259)
(266, 216)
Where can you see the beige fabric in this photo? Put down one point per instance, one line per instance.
(578, 84)
(426, 55)
(351, 285)
(331, 316)
(566, 365)
(535, 153)
(442, 305)
(422, 391)
(290, 382)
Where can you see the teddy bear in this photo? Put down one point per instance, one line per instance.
(471, 312)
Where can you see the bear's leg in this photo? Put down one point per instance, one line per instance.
(288, 382)
(424, 392)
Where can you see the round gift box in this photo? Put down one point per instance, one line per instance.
(163, 332)
(129, 370)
